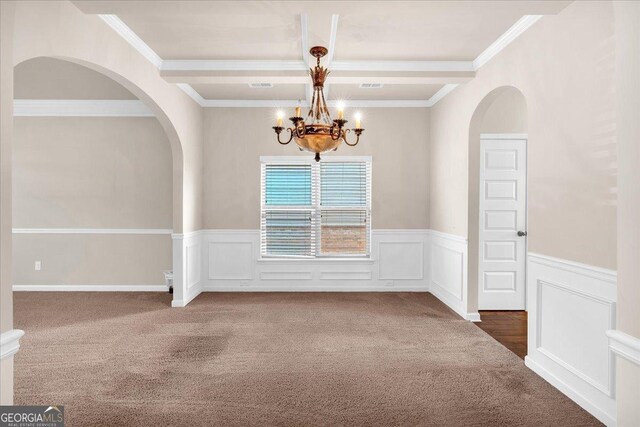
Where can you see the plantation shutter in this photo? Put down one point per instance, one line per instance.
(288, 212)
(345, 215)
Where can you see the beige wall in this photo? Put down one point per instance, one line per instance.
(564, 67)
(91, 259)
(397, 140)
(71, 172)
(81, 172)
(627, 18)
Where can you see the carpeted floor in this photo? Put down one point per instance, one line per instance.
(273, 359)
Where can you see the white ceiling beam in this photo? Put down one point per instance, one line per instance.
(231, 65)
(332, 47)
(304, 29)
(261, 103)
(436, 78)
(402, 66)
(292, 65)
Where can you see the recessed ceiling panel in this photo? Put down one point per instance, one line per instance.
(217, 30)
(387, 92)
(367, 30)
(48, 78)
(243, 91)
(426, 31)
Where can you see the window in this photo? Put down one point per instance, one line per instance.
(315, 209)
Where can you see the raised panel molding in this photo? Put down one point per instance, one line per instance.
(346, 275)
(448, 272)
(571, 308)
(194, 264)
(233, 263)
(402, 260)
(230, 260)
(286, 275)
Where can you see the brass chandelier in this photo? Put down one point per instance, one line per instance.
(318, 133)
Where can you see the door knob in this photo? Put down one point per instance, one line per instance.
(522, 233)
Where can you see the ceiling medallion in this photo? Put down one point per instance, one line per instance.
(318, 133)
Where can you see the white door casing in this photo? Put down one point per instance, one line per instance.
(503, 205)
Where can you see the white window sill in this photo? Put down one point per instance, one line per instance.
(362, 260)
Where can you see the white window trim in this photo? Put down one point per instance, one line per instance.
(300, 160)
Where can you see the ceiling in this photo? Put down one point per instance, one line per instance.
(417, 50)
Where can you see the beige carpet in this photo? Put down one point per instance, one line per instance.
(273, 359)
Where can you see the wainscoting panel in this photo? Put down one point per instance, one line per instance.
(187, 267)
(571, 308)
(398, 263)
(448, 266)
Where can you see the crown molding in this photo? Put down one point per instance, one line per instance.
(505, 39)
(189, 90)
(80, 108)
(127, 33)
(444, 91)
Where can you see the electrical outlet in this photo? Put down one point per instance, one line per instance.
(38, 265)
(389, 284)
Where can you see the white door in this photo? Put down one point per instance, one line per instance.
(502, 231)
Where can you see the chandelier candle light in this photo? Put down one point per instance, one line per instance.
(318, 133)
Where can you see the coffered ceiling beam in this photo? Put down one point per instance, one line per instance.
(303, 79)
(293, 65)
(304, 37)
(332, 48)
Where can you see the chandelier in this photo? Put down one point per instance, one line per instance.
(318, 133)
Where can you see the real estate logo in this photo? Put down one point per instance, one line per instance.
(31, 416)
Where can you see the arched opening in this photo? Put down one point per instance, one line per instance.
(92, 183)
(497, 209)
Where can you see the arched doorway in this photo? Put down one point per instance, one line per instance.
(497, 213)
(92, 184)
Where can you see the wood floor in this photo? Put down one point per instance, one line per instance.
(509, 328)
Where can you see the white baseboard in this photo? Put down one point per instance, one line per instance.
(473, 317)
(191, 294)
(570, 392)
(90, 288)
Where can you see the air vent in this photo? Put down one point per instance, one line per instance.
(260, 85)
(371, 85)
